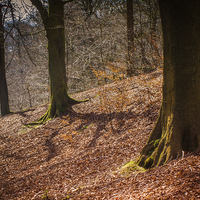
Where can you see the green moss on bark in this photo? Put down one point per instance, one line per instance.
(149, 162)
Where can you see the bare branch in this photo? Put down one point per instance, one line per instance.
(67, 1)
(42, 10)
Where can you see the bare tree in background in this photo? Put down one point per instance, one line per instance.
(130, 36)
(3, 83)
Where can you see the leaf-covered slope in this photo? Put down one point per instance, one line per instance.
(76, 156)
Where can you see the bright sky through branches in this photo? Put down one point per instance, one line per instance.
(22, 7)
(19, 1)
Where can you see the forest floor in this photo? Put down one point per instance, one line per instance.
(78, 155)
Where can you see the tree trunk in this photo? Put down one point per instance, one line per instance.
(54, 25)
(3, 84)
(178, 125)
(130, 37)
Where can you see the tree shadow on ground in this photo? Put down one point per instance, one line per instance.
(102, 120)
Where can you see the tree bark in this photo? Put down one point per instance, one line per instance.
(53, 20)
(130, 36)
(177, 128)
(3, 84)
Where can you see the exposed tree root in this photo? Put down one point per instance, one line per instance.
(8, 112)
(55, 110)
(146, 158)
(72, 101)
(166, 142)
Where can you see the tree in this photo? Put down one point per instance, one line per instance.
(177, 127)
(3, 83)
(53, 20)
(130, 35)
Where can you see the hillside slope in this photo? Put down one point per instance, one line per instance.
(76, 156)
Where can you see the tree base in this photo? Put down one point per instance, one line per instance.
(3, 113)
(55, 110)
(168, 141)
(72, 101)
(146, 158)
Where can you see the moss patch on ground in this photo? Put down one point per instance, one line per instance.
(130, 167)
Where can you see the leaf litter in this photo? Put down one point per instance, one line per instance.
(77, 155)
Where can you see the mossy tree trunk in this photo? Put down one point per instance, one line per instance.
(3, 84)
(53, 20)
(178, 125)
